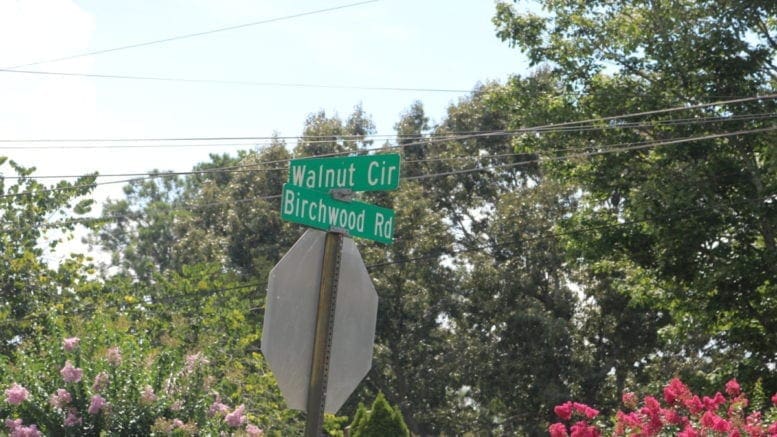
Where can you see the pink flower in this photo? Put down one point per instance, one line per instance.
(100, 382)
(629, 400)
(563, 411)
(71, 343)
(712, 404)
(60, 399)
(72, 419)
(218, 408)
(254, 431)
(671, 416)
(688, 432)
(694, 405)
(147, 395)
(732, 388)
(196, 360)
(676, 390)
(774, 399)
(585, 410)
(97, 404)
(26, 431)
(13, 424)
(16, 394)
(236, 418)
(178, 423)
(582, 429)
(652, 404)
(558, 430)
(70, 373)
(113, 356)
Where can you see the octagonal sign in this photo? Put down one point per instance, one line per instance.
(290, 321)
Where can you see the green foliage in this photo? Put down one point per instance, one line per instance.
(380, 421)
(683, 235)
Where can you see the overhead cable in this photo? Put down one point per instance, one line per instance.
(193, 35)
(239, 82)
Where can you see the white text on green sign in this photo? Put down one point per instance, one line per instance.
(319, 210)
(378, 172)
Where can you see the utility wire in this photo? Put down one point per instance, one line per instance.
(632, 147)
(472, 134)
(240, 83)
(447, 136)
(552, 235)
(193, 35)
(135, 215)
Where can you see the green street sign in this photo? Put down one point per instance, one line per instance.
(378, 172)
(319, 210)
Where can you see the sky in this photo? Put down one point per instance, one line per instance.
(430, 44)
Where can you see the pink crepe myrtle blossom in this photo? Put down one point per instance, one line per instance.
(558, 430)
(70, 373)
(12, 424)
(97, 404)
(236, 418)
(629, 400)
(26, 431)
(147, 395)
(563, 411)
(113, 355)
(193, 361)
(60, 399)
(101, 381)
(583, 429)
(732, 388)
(16, 394)
(72, 419)
(254, 431)
(688, 431)
(70, 343)
(585, 410)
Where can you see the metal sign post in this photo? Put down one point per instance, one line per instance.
(322, 343)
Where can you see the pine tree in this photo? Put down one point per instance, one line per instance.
(381, 421)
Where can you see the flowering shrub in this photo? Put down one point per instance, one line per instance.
(68, 392)
(682, 414)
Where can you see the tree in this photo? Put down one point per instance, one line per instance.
(28, 285)
(381, 420)
(693, 218)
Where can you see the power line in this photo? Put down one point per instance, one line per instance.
(681, 213)
(631, 147)
(437, 137)
(238, 82)
(196, 34)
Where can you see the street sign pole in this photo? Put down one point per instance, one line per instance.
(322, 343)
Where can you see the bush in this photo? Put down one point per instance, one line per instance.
(82, 388)
(380, 421)
(682, 413)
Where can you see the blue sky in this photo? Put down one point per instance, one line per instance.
(388, 43)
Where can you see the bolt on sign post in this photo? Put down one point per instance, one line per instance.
(319, 322)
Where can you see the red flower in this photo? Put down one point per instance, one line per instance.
(732, 388)
(676, 390)
(629, 400)
(694, 405)
(585, 410)
(774, 399)
(688, 431)
(563, 411)
(582, 429)
(558, 430)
